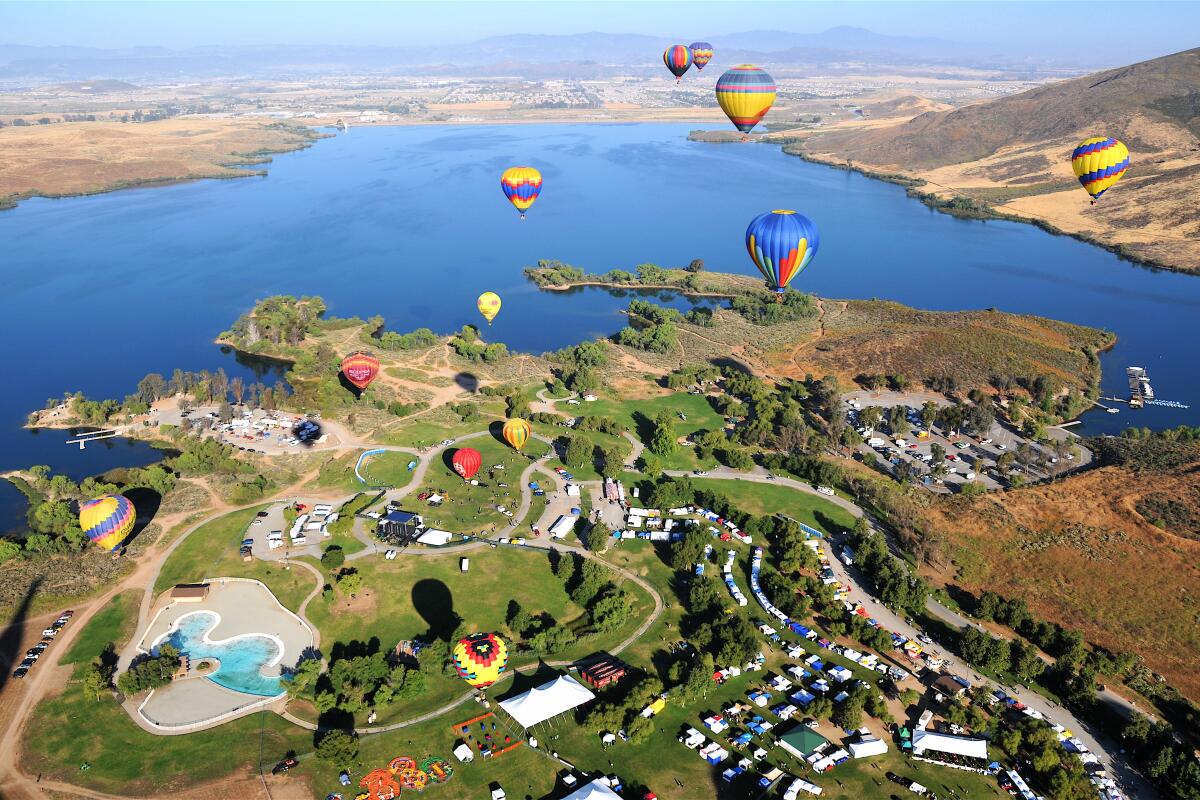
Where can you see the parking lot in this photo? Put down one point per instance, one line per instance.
(255, 430)
(966, 458)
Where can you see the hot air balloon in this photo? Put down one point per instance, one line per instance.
(678, 58)
(1099, 162)
(107, 520)
(466, 462)
(360, 368)
(745, 93)
(516, 432)
(521, 186)
(480, 659)
(488, 305)
(781, 244)
(701, 54)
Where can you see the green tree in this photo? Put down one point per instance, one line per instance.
(96, 681)
(333, 557)
(639, 729)
(662, 441)
(337, 748)
(578, 453)
(350, 582)
(552, 641)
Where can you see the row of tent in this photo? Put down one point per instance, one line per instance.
(738, 597)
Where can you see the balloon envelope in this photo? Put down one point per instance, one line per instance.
(1098, 163)
(521, 186)
(107, 520)
(745, 93)
(702, 53)
(516, 432)
(466, 462)
(488, 305)
(678, 58)
(360, 369)
(480, 658)
(781, 244)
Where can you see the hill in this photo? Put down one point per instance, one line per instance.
(1012, 155)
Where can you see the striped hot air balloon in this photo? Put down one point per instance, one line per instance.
(781, 244)
(107, 520)
(1099, 162)
(702, 53)
(360, 368)
(745, 93)
(521, 186)
(480, 659)
(677, 57)
(488, 305)
(516, 432)
(466, 462)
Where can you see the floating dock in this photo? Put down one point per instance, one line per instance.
(1140, 389)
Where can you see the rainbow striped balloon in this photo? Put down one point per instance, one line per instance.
(1099, 162)
(521, 186)
(107, 520)
(745, 93)
(702, 53)
(516, 432)
(677, 57)
(781, 244)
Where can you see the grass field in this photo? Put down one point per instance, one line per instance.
(762, 499)
(472, 509)
(588, 471)
(415, 596)
(72, 728)
(212, 550)
(387, 469)
(638, 415)
(112, 624)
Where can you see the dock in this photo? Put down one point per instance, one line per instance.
(93, 436)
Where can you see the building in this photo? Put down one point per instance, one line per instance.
(189, 593)
(801, 741)
(604, 671)
(399, 526)
(947, 686)
(562, 526)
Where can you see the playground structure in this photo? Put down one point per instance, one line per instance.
(403, 773)
(483, 741)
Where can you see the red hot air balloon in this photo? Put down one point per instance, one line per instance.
(466, 462)
(360, 369)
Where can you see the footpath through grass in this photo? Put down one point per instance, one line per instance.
(212, 551)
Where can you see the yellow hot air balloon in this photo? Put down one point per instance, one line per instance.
(480, 659)
(1098, 163)
(516, 432)
(488, 305)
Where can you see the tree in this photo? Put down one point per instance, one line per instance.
(597, 538)
(697, 265)
(96, 681)
(304, 679)
(639, 729)
(929, 413)
(821, 708)
(350, 582)
(552, 641)
(662, 442)
(611, 610)
(937, 453)
(333, 557)
(337, 748)
(579, 452)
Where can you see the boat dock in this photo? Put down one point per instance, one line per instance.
(1141, 393)
(92, 436)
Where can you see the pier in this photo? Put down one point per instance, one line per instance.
(93, 436)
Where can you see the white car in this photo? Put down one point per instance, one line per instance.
(50, 632)
(498, 794)
(390, 555)
(825, 490)
(1001, 446)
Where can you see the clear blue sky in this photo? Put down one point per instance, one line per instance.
(1128, 31)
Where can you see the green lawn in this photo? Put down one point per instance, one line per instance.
(763, 499)
(588, 471)
(638, 417)
(387, 469)
(522, 772)
(537, 505)
(72, 728)
(212, 551)
(472, 509)
(112, 624)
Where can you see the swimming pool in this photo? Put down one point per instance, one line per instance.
(242, 658)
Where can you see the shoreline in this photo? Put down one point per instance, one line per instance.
(655, 287)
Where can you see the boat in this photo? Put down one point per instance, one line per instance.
(1113, 410)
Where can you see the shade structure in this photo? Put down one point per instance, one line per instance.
(548, 700)
(593, 791)
(930, 742)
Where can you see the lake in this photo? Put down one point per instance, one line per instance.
(410, 222)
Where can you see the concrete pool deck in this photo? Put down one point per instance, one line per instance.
(244, 608)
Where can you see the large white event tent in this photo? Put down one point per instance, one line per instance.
(548, 700)
(593, 791)
(923, 741)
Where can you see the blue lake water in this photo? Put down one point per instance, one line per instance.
(411, 223)
(241, 659)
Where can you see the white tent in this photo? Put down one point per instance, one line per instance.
(593, 791)
(868, 747)
(435, 537)
(924, 741)
(548, 700)
(464, 753)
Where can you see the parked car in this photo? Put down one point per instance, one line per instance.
(284, 766)
(20, 672)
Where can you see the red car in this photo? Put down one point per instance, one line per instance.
(725, 537)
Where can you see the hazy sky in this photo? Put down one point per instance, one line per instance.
(1127, 30)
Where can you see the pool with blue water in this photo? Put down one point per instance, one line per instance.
(242, 658)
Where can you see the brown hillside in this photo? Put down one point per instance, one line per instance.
(1013, 154)
(1083, 553)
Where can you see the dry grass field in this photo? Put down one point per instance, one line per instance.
(1081, 554)
(91, 157)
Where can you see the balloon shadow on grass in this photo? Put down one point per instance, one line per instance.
(434, 601)
(467, 381)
